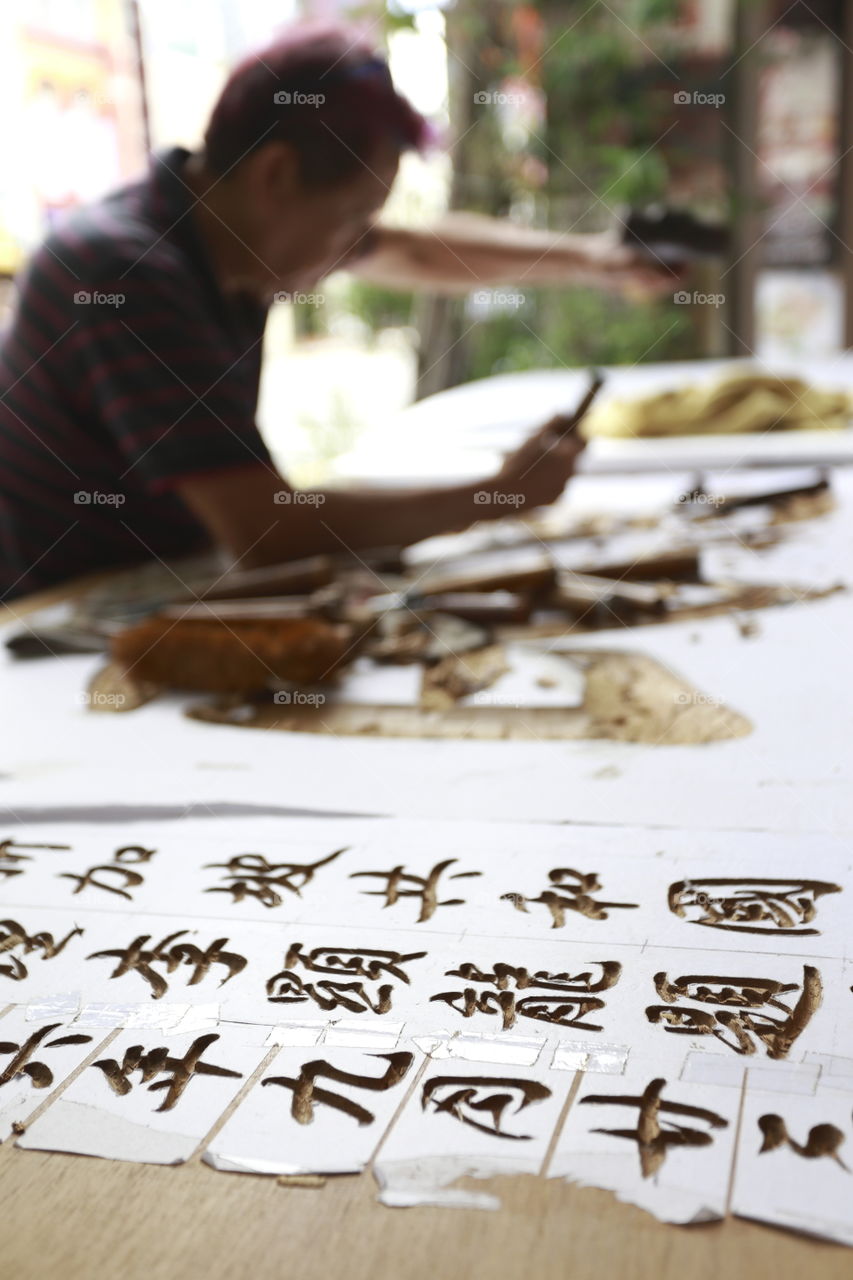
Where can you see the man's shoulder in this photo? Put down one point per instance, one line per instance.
(112, 238)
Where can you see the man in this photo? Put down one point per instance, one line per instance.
(129, 375)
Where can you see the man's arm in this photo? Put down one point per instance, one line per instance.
(465, 250)
(256, 516)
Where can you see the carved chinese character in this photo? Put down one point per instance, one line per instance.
(565, 999)
(823, 1140)
(288, 987)
(470, 1099)
(9, 858)
(116, 876)
(652, 1135)
(569, 891)
(159, 1061)
(306, 1094)
(39, 1073)
(741, 1008)
(423, 887)
(750, 905)
(14, 937)
(137, 958)
(251, 875)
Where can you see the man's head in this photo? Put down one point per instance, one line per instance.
(304, 142)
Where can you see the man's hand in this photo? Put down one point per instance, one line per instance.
(627, 270)
(538, 471)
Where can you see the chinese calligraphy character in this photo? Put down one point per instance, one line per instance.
(40, 1075)
(289, 987)
(306, 1095)
(137, 958)
(425, 887)
(179, 1071)
(251, 875)
(565, 999)
(742, 1007)
(125, 879)
(823, 1140)
(14, 937)
(750, 906)
(9, 860)
(469, 1099)
(653, 1135)
(569, 891)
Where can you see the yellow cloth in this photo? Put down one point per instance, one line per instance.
(738, 403)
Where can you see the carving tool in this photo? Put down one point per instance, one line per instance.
(571, 421)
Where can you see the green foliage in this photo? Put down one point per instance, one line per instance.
(608, 89)
(607, 92)
(578, 327)
(379, 308)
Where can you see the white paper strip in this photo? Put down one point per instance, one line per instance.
(790, 1078)
(700, 1067)
(320, 1113)
(468, 1118)
(665, 1146)
(148, 1100)
(295, 1035)
(353, 1034)
(794, 1163)
(835, 1072)
(36, 1060)
(706, 890)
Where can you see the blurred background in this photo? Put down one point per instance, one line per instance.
(553, 113)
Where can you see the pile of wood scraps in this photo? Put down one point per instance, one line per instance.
(456, 645)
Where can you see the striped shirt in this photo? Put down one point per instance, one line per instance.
(124, 371)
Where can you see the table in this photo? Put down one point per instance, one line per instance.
(85, 1218)
(461, 433)
(79, 1219)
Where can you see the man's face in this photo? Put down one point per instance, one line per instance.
(300, 233)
